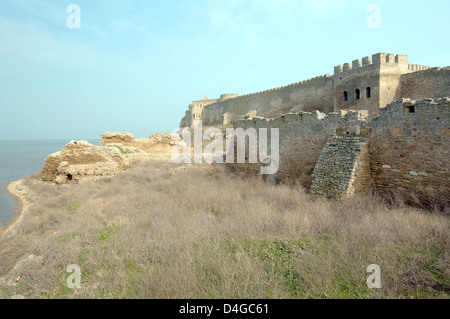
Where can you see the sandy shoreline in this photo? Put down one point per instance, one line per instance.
(20, 191)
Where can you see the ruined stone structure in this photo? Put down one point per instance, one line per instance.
(196, 109)
(405, 149)
(367, 84)
(117, 152)
(79, 160)
(158, 143)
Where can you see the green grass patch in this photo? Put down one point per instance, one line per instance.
(65, 238)
(107, 233)
(210, 279)
(60, 289)
(348, 289)
(278, 258)
(215, 212)
(428, 279)
(122, 151)
(63, 290)
(72, 208)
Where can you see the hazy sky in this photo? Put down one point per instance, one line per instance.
(135, 66)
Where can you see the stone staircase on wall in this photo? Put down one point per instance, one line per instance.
(343, 167)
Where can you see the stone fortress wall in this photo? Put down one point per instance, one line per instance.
(409, 148)
(314, 93)
(427, 83)
(303, 137)
(405, 149)
(367, 84)
(310, 95)
(343, 134)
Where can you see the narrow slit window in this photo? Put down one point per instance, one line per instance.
(357, 94)
(345, 96)
(368, 92)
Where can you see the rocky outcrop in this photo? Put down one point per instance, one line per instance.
(79, 160)
(163, 138)
(158, 143)
(116, 137)
(116, 152)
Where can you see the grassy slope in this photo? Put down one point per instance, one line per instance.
(163, 231)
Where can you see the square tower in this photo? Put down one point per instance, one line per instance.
(369, 84)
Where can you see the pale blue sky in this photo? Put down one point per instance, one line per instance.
(135, 66)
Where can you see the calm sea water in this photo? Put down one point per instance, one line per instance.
(19, 159)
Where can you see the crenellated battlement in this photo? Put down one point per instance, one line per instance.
(228, 96)
(377, 60)
(368, 84)
(305, 118)
(401, 110)
(292, 85)
(417, 67)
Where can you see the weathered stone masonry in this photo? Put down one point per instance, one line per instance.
(302, 139)
(367, 84)
(409, 148)
(342, 168)
(405, 149)
(340, 136)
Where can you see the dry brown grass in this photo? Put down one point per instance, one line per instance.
(165, 231)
